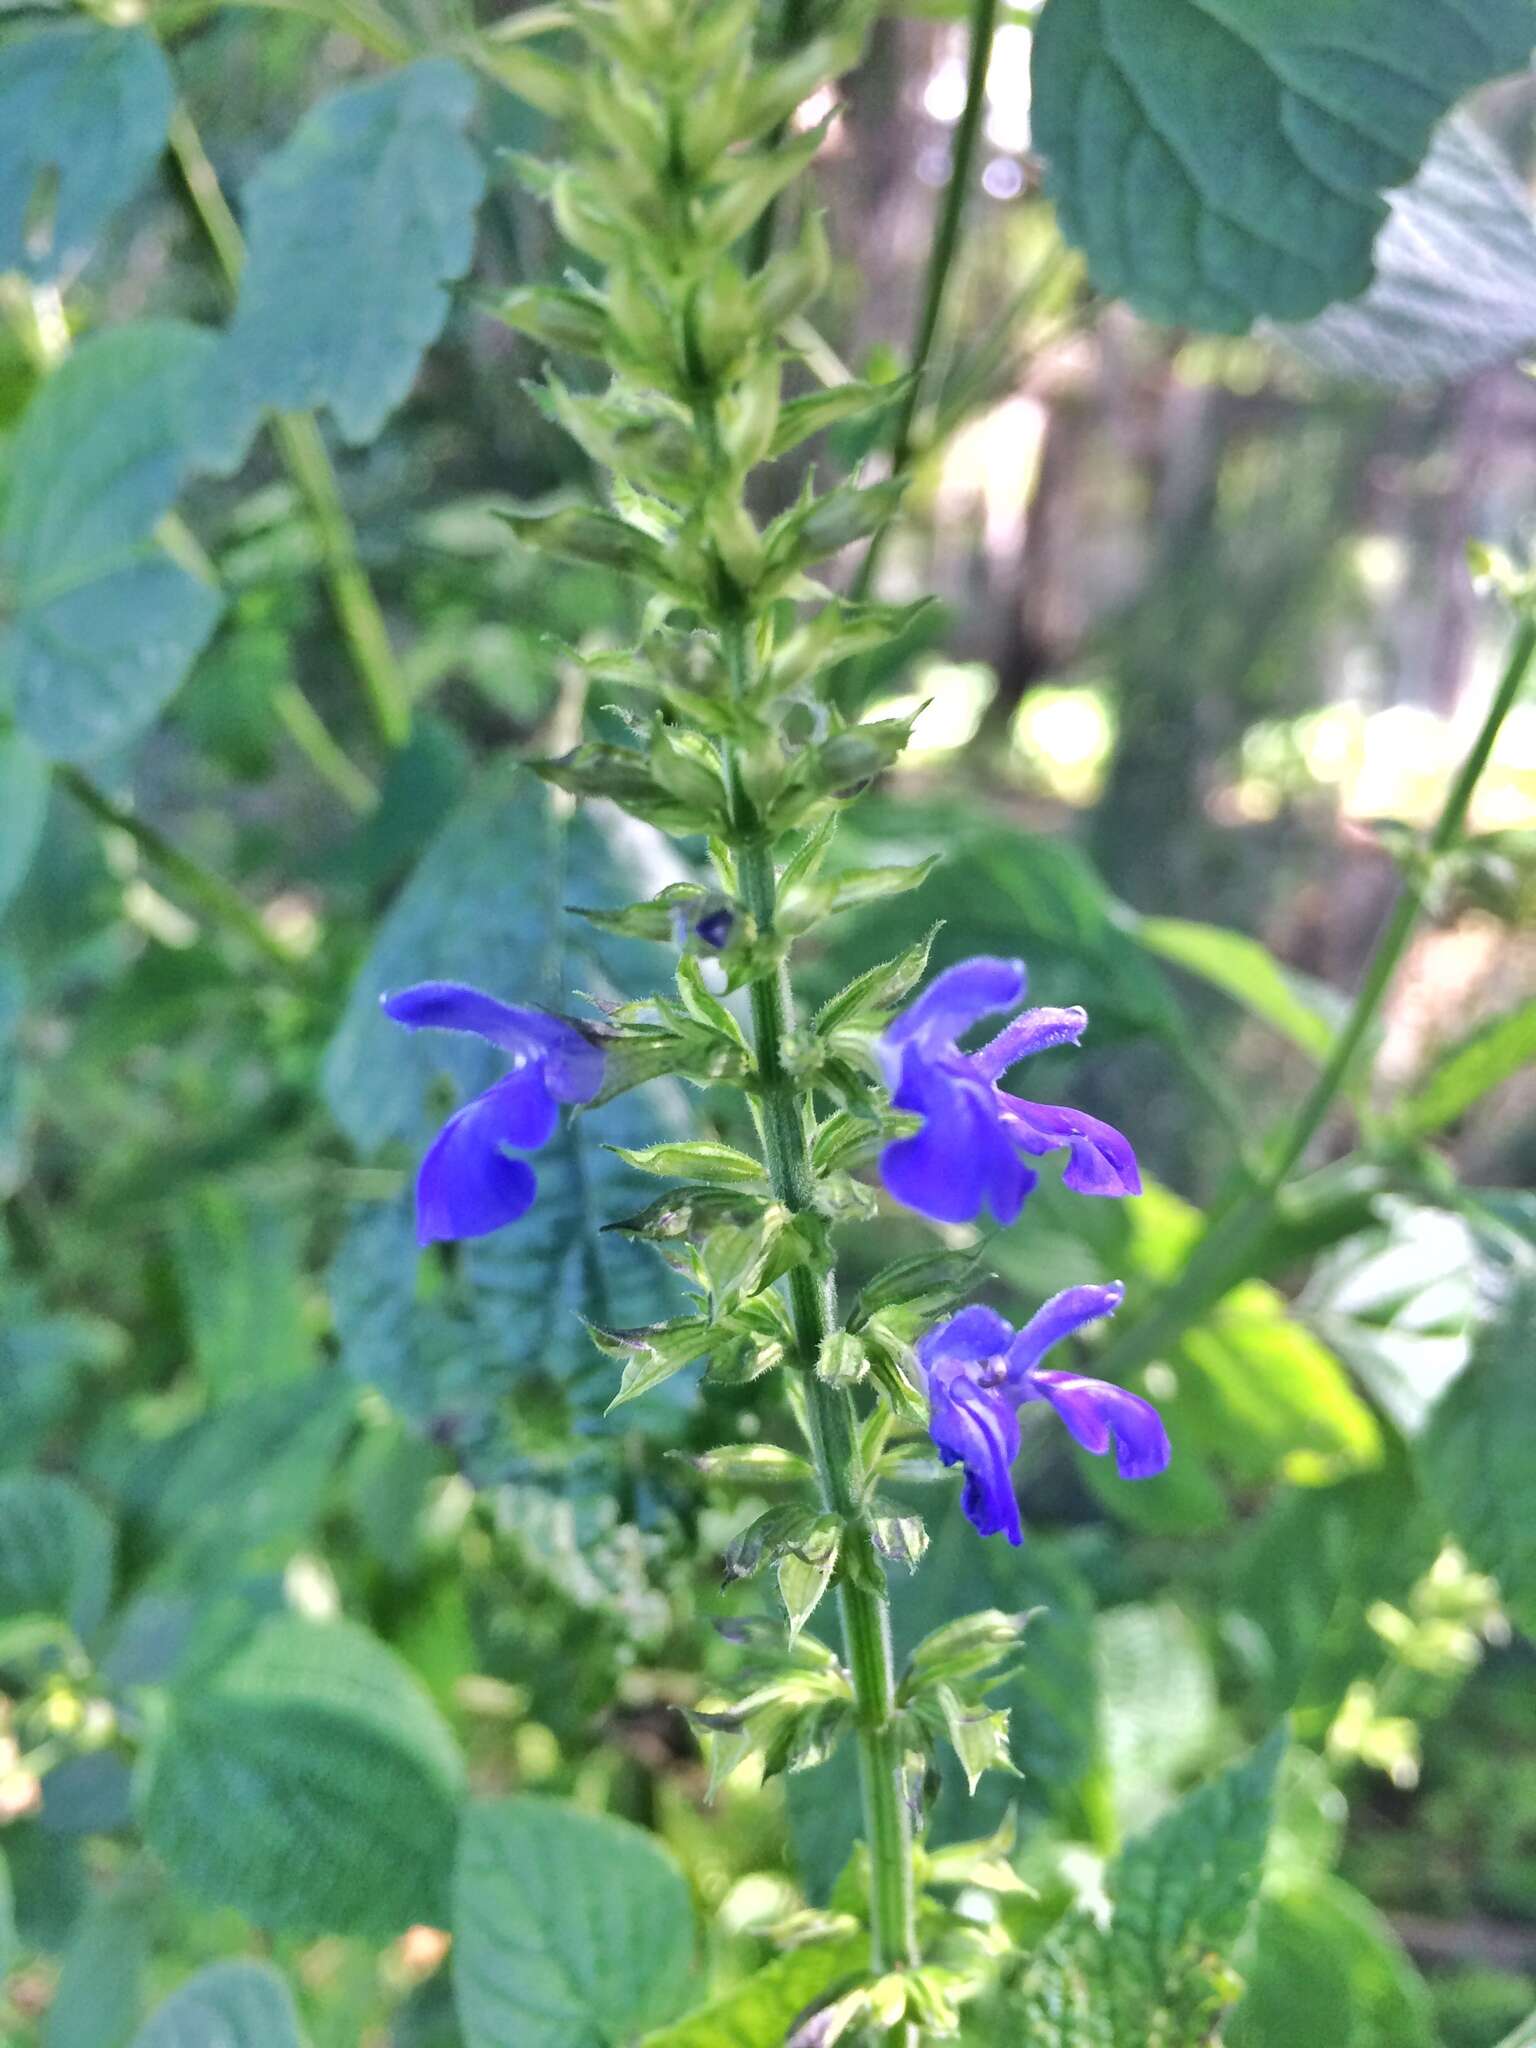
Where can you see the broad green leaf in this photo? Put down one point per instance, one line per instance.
(1469, 1070)
(1524, 2035)
(104, 624)
(83, 114)
(308, 1782)
(356, 226)
(1300, 1009)
(101, 1981)
(1478, 1447)
(1455, 285)
(1221, 159)
(55, 1552)
(24, 785)
(226, 2005)
(449, 1347)
(571, 1929)
(1327, 1967)
(1150, 1972)
(759, 2012)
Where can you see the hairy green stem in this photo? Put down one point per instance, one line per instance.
(1224, 1255)
(304, 455)
(831, 1421)
(941, 263)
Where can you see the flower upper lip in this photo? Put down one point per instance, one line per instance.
(468, 1185)
(970, 1153)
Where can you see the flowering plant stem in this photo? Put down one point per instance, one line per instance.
(833, 1439)
(1223, 1255)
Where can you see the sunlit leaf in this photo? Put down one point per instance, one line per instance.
(1221, 159)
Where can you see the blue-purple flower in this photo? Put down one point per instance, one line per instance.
(970, 1153)
(980, 1373)
(469, 1184)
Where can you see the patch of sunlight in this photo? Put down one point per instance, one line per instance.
(1063, 738)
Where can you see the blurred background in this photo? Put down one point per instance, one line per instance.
(1206, 651)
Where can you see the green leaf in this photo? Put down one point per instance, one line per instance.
(700, 1159)
(105, 625)
(355, 227)
(24, 785)
(226, 2005)
(760, 2012)
(1485, 1059)
(1477, 1449)
(309, 1783)
(1300, 1009)
(83, 114)
(55, 1552)
(101, 1983)
(571, 1929)
(10, 1940)
(1150, 1972)
(1455, 285)
(1221, 159)
(1328, 1967)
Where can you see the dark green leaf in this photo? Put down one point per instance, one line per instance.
(1153, 1969)
(226, 2005)
(83, 113)
(55, 1552)
(356, 226)
(308, 1782)
(571, 1930)
(105, 624)
(100, 1986)
(1222, 159)
(24, 784)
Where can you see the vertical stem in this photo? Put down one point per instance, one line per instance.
(831, 1423)
(941, 259)
(1221, 1257)
(304, 455)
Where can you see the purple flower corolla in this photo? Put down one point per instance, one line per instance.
(980, 1373)
(970, 1153)
(469, 1185)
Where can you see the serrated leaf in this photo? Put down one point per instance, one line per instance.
(355, 226)
(760, 2012)
(1455, 286)
(105, 625)
(83, 114)
(56, 1550)
(1477, 1449)
(308, 1782)
(1151, 1972)
(571, 1929)
(226, 2005)
(1221, 159)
